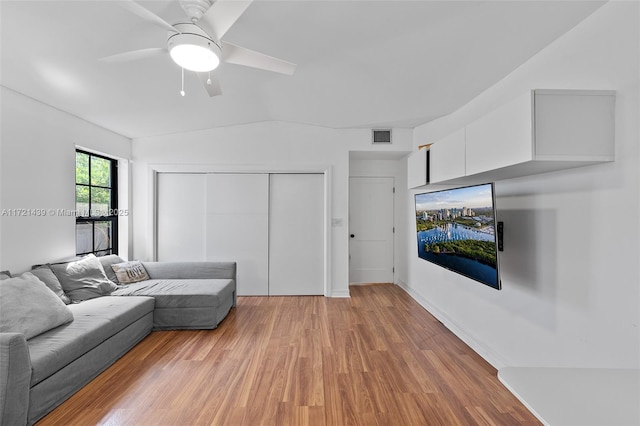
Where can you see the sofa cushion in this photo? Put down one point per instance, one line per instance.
(95, 321)
(130, 272)
(174, 293)
(83, 279)
(190, 270)
(29, 307)
(46, 275)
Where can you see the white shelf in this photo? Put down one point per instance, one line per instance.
(577, 396)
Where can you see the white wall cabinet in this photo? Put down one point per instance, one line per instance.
(447, 158)
(538, 132)
(418, 168)
(501, 138)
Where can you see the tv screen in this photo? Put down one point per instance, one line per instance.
(456, 229)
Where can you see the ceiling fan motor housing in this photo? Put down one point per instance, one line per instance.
(195, 8)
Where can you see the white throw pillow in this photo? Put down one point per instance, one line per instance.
(83, 279)
(29, 307)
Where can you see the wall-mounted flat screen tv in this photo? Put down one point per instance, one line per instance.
(456, 229)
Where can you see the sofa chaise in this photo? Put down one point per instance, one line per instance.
(38, 372)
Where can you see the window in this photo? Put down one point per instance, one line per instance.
(96, 204)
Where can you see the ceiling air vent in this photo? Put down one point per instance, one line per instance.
(381, 136)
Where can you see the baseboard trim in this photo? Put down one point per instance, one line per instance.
(340, 293)
(496, 361)
(576, 396)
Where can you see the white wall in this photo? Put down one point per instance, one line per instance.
(269, 146)
(37, 171)
(570, 270)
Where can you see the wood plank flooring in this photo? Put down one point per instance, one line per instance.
(377, 358)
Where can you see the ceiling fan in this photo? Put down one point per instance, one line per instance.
(197, 46)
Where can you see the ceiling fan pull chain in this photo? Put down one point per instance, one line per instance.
(209, 79)
(182, 91)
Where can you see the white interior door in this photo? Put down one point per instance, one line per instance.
(180, 217)
(296, 234)
(371, 201)
(237, 227)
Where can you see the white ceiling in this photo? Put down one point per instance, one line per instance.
(360, 63)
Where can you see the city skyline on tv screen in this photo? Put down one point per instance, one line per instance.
(456, 230)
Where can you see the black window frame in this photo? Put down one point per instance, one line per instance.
(112, 218)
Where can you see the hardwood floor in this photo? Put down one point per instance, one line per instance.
(377, 358)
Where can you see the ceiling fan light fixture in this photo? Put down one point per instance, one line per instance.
(194, 50)
(194, 57)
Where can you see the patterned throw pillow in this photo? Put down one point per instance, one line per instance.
(130, 272)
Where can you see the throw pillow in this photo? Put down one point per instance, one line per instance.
(5, 275)
(46, 275)
(83, 279)
(107, 261)
(130, 272)
(29, 307)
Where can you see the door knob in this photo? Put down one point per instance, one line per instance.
(353, 236)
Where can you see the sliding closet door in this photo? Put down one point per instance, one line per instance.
(236, 227)
(180, 217)
(272, 226)
(296, 234)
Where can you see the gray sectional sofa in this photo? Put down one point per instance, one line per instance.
(37, 373)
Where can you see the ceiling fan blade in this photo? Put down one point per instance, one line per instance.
(222, 15)
(147, 15)
(211, 83)
(242, 56)
(135, 55)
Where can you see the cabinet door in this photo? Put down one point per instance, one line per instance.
(237, 224)
(417, 169)
(502, 138)
(447, 158)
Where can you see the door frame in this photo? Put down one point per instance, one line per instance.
(155, 169)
